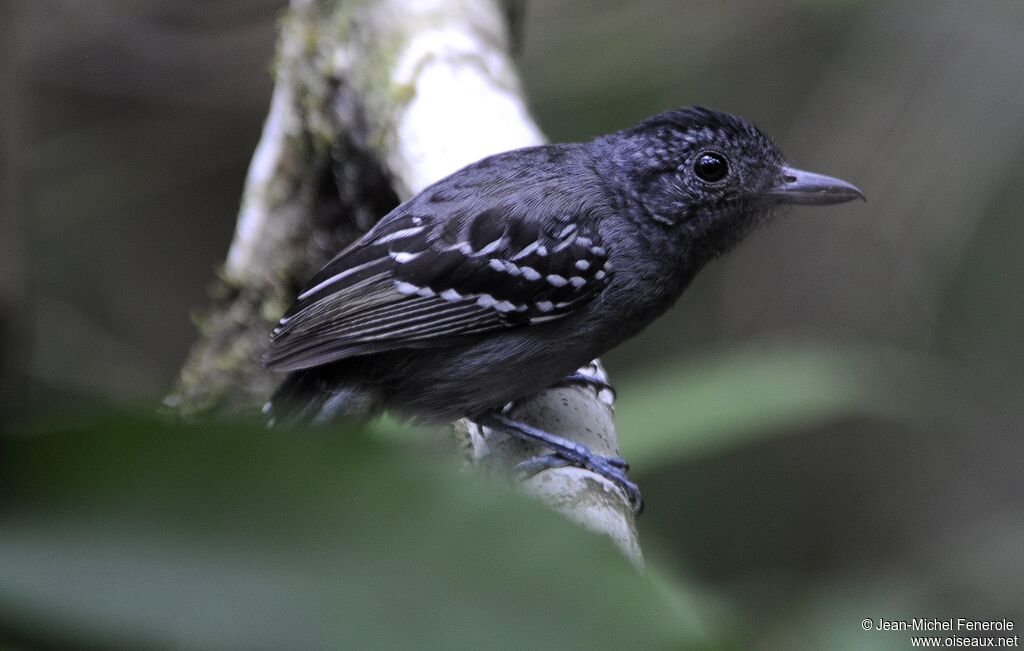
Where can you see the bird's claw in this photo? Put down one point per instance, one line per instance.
(586, 380)
(565, 453)
(533, 465)
(611, 468)
(614, 469)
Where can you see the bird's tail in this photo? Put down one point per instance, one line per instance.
(305, 398)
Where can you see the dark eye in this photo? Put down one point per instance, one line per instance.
(711, 167)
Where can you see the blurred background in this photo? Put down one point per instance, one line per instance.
(827, 427)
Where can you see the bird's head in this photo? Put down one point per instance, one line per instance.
(711, 176)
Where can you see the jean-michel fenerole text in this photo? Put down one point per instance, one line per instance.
(951, 624)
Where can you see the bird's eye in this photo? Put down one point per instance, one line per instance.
(711, 167)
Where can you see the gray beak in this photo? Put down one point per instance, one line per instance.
(808, 188)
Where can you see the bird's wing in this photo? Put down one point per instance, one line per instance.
(415, 281)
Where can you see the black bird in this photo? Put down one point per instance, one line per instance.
(501, 279)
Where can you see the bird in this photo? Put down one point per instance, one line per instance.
(501, 279)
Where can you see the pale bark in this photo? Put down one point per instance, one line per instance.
(375, 97)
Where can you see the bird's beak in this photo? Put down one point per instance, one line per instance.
(808, 188)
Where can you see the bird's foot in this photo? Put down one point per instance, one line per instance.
(578, 379)
(533, 465)
(566, 453)
(611, 468)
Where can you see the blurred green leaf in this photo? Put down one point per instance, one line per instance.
(737, 396)
(130, 532)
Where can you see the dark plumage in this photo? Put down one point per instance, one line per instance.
(500, 279)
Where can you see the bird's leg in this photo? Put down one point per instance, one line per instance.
(587, 380)
(564, 452)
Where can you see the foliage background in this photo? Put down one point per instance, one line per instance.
(828, 425)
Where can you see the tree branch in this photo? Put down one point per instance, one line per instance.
(375, 99)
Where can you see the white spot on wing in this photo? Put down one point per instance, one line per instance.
(530, 273)
(564, 244)
(546, 317)
(485, 300)
(336, 277)
(403, 287)
(490, 247)
(397, 235)
(401, 257)
(527, 250)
